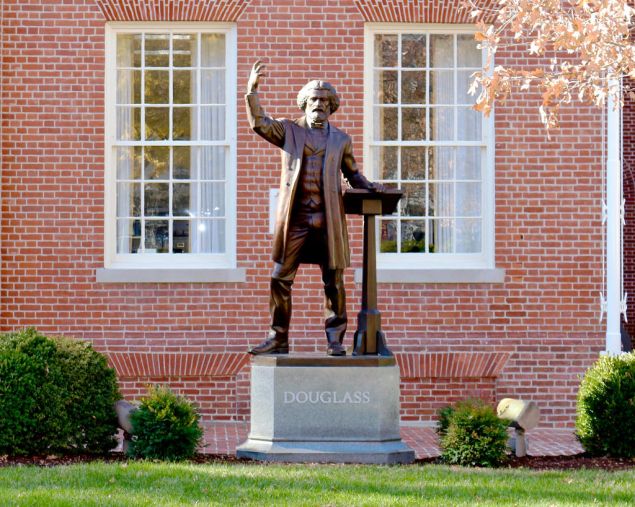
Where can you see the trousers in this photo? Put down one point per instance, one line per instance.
(307, 231)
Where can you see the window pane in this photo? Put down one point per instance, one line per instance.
(441, 163)
(182, 232)
(157, 50)
(213, 50)
(129, 163)
(442, 50)
(442, 123)
(182, 123)
(413, 50)
(157, 236)
(468, 163)
(468, 199)
(467, 53)
(468, 235)
(413, 163)
(184, 87)
(213, 163)
(157, 163)
(385, 161)
(388, 241)
(441, 199)
(413, 87)
(211, 236)
(128, 123)
(156, 199)
(212, 123)
(385, 119)
(157, 87)
(181, 200)
(128, 50)
(464, 80)
(213, 86)
(128, 199)
(157, 123)
(385, 87)
(413, 124)
(212, 200)
(469, 124)
(128, 86)
(128, 236)
(413, 200)
(413, 233)
(184, 50)
(385, 50)
(441, 235)
(184, 157)
(442, 87)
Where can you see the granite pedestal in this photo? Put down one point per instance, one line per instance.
(325, 409)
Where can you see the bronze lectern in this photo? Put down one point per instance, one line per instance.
(369, 338)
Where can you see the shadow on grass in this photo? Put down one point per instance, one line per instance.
(140, 484)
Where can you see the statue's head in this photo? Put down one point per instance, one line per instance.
(318, 99)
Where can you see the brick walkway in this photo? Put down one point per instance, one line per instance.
(222, 438)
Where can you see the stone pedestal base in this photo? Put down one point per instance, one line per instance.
(325, 409)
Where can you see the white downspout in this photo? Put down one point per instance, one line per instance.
(613, 227)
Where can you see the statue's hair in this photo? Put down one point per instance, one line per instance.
(303, 94)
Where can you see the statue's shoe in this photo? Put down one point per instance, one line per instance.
(271, 346)
(336, 349)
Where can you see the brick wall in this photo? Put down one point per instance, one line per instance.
(543, 319)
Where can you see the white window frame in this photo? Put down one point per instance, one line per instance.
(163, 262)
(447, 262)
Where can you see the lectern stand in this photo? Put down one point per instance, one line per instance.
(369, 338)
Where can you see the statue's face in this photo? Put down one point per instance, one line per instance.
(318, 107)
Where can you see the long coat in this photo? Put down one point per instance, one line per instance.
(289, 135)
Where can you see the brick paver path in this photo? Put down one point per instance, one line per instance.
(223, 437)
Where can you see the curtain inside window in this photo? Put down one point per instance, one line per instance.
(209, 200)
(124, 158)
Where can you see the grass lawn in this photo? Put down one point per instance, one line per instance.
(159, 484)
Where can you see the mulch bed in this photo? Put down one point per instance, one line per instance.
(531, 462)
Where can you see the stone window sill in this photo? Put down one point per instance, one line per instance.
(157, 275)
(494, 275)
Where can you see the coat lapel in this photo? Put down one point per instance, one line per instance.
(299, 138)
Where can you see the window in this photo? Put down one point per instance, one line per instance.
(170, 151)
(423, 137)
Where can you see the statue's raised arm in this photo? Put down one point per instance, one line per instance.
(263, 125)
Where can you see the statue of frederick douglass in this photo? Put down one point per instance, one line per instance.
(310, 221)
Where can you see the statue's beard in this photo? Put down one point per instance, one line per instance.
(317, 118)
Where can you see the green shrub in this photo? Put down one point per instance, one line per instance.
(445, 414)
(166, 426)
(56, 395)
(606, 407)
(92, 393)
(471, 434)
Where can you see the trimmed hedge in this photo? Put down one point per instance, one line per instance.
(57, 395)
(606, 407)
(165, 426)
(471, 434)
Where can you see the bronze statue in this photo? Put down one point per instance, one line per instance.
(310, 220)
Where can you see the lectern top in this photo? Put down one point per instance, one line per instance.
(354, 199)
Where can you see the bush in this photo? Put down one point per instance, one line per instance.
(56, 396)
(471, 434)
(606, 407)
(166, 426)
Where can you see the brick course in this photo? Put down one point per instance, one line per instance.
(543, 320)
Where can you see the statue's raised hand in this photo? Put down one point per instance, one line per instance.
(257, 71)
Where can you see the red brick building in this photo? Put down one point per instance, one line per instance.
(136, 200)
